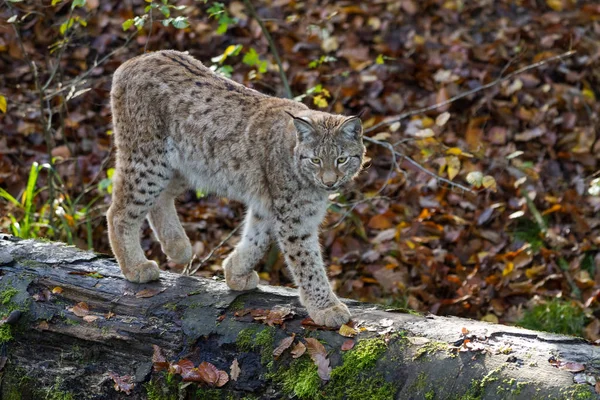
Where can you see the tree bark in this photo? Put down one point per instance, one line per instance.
(55, 354)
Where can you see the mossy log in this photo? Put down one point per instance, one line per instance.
(51, 353)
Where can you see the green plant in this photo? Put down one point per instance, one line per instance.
(27, 222)
(556, 315)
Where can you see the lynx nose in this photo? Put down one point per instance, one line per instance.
(329, 179)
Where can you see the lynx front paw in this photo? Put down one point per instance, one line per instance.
(332, 317)
(237, 281)
(242, 282)
(142, 273)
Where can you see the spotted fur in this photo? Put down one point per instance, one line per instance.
(179, 125)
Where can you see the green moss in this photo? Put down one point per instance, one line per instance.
(54, 393)
(162, 387)
(477, 388)
(7, 295)
(208, 394)
(430, 395)
(5, 334)
(265, 340)
(348, 380)
(253, 338)
(300, 379)
(430, 348)
(170, 306)
(558, 316)
(237, 304)
(420, 383)
(245, 339)
(578, 392)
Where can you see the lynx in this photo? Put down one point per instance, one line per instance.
(178, 125)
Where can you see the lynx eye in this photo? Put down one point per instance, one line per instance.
(342, 160)
(315, 161)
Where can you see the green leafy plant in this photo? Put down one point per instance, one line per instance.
(319, 93)
(26, 223)
(165, 8)
(219, 12)
(556, 315)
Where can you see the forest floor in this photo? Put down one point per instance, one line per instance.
(511, 233)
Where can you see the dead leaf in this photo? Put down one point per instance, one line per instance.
(109, 315)
(348, 345)
(145, 293)
(347, 331)
(122, 383)
(43, 326)
(90, 318)
(159, 361)
(380, 222)
(235, 370)
(57, 290)
(284, 344)
(211, 375)
(80, 309)
(318, 354)
(572, 366)
(298, 350)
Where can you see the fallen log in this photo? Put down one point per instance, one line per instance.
(73, 328)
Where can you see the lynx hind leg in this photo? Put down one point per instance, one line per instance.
(239, 266)
(136, 186)
(166, 225)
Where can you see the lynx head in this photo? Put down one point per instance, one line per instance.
(329, 148)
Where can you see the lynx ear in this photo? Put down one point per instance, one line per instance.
(304, 128)
(352, 128)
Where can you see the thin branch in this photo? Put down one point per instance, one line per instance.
(186, 270)
(284, 80)
(416, 164)
(398, 118)
(45, 122)
(79, 78)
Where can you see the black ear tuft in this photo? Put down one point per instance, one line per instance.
(304, 128)
(352, 128)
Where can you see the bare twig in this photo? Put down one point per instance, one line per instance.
(187, 270)
(400, 117)
(265, 31)
(79, 78)
(416, 164)
(45, 121)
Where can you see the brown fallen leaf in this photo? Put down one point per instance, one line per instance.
(145, 293)
(80, 309)
(283, 345)
(109, 315)
(572, 366)
(43, 326)
(188, 372)
(347, 331)
(122, 383)
(235, 370)
(298, 350)
(159, 361)
(465, 331)
(348, 345)
(44, 295)
(90, 318)
(211, 375)
(318, 354)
